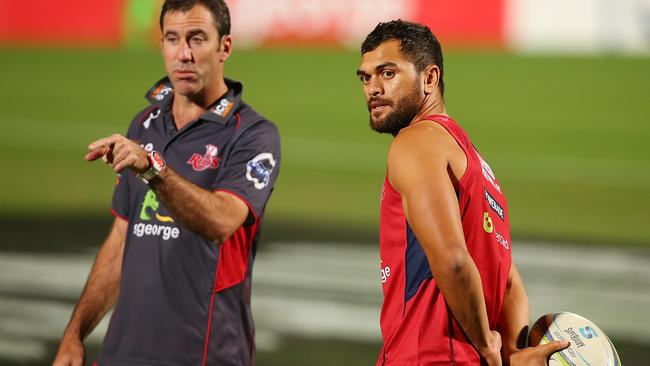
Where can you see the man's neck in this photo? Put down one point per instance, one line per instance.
(186, 109)
(432, 104)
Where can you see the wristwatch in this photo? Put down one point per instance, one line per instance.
(156, 165)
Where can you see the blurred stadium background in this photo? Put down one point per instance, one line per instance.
(554, 93)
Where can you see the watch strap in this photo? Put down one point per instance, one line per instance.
(156, 165)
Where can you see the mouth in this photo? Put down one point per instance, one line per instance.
(376, 103)
(185, 74)
(377, 106)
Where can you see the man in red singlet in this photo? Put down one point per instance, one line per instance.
(452, 295)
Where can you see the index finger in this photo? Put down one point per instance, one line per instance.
(104, 142)
(555, 346)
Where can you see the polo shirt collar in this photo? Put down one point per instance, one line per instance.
(161, 94)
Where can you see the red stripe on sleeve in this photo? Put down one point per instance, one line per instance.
(118, 215)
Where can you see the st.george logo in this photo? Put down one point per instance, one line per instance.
(385, 271)
(207, 161)
(151, 204)
(259, 169)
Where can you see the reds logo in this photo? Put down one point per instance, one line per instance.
(203, 162)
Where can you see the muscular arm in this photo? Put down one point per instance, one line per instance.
(215, 215)
(97, 298)
(515, 315)
(419, 168)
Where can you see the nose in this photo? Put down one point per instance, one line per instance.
(375, 87)
(184, 52)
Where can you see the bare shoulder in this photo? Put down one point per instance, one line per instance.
(420, 153)
(422, 139)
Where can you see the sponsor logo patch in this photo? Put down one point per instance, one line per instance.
(259, 169)
(152, 116)
(148, 212)
(494, 205)
(487, 223)
(487, 173)
(223, 107)
(151, 204)
(165, 232)
(501, 240)
(207, 161)
(385, 272)
(161, 92)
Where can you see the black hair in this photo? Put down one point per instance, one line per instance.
(418, 44)
(218, 8)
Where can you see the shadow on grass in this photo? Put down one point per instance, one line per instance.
(83, 232)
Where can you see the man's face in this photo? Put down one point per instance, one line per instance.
(391, 86)
(192, 50)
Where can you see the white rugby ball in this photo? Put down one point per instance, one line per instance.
(590, 346)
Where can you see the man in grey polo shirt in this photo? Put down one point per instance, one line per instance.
(196, 169)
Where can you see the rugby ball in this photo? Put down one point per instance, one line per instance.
(590, 346)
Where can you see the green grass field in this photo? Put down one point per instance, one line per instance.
(566, 136)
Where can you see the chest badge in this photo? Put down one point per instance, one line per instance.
(207, 161)
(487, 223)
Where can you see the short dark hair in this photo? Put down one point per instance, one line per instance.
(418, 44)
(218, 8)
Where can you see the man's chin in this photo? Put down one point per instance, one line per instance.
(391, 124)
(377, 125)
(185, 87)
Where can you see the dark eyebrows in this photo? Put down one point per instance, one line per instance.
(190, 34)
(378, 68)
(385, 65)
(197, 32)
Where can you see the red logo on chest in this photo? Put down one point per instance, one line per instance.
(207, 161)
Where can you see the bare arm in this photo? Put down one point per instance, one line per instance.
(419, 168)
(97, 298)
(515, 315)
(215, 215)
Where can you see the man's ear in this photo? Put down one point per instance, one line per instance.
(225, 47)
(431, 79)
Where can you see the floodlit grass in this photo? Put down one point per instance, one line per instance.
(566, 136)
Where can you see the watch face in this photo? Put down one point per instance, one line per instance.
(157, 160)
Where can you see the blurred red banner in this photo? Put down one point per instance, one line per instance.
(347, 22)
(464, 22)
(61, 22)
(261, 22)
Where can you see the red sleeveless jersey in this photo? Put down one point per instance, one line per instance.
(417, 326)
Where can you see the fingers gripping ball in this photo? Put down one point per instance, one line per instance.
(589, 344)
